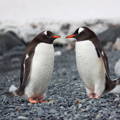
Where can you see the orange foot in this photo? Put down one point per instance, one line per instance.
(37, 100)
(91, 95)
(97, 96)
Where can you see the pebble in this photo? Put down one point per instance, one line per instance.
(22, 118)
(116, 45)
(53, 111)
(40, 111)
(58, 53)
(117, 68)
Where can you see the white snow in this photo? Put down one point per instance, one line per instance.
(12, 88)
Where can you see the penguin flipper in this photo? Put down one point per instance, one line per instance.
(25, 70)
(105, 60)
(101, 54)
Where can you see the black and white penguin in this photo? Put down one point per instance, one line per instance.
(92, 64)
(36, 68)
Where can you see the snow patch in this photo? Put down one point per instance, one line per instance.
(12, 88)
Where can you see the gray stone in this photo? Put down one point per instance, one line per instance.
(116, 45)
(8, 41)
(53, 111)
(117, 68)
(22, 118)
(110, 35)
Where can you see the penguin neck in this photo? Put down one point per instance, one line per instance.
(43, 40)
(83, 41)
(47, 41)
(34, 43)
(94, 40)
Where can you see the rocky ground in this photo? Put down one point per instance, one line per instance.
(66, 89)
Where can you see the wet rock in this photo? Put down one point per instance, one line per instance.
(58, 53)
(22, 118)
(108, 45)
(110, 35)
(117, 68)
(116, 45)
(8, 41)
(70, 45)
(40, 111)
(53, 111)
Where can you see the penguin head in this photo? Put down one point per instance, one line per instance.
(47, 37)
(82, 33)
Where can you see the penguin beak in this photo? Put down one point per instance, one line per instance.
(71, 36)
(56, 36)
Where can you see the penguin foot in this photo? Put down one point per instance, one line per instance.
(91, 95)
(32, 100)
(97, 96)
(37, 100)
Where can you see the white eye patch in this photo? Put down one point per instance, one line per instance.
(80, 30)
(27, 56)
(45, 32)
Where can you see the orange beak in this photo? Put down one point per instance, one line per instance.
(56, 36)
(71, 36)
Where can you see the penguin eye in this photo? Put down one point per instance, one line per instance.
(80, 30)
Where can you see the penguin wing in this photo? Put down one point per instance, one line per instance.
(25, 69)
(101, 54)
(109, 84)
(105, 60)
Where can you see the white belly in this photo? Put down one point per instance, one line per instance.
(90, 67)
(41, 70)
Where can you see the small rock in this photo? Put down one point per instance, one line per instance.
(74, 78)
(117, 99)
(116, 45)
(77, 101)
(109, 35)
(9, 40)
(108, 45)
(40, 111)
(53, 111)
(117, 68)
(4, 100)
(64, 71)
(58, 53)
(70, 46)
(22, 118)
(98, 116)
(51, 101)
(29, 104)
(17, 108)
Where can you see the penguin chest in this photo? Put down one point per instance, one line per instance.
(41, 70)
(90, 66)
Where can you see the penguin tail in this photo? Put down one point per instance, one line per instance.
(116, 89)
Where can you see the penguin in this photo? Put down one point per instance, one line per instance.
(92, 64)
(36, 68)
